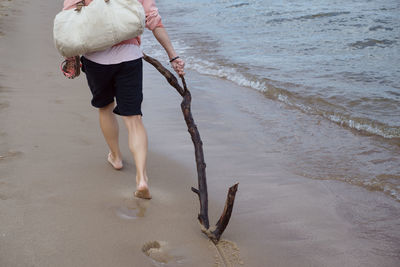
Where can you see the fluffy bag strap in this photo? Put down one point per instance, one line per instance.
(82, 4)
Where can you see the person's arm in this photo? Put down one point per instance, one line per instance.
(154, 24)
(162, 37)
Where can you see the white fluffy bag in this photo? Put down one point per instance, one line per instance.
(97, 26)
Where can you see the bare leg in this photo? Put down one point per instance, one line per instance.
(138, 145)
(109, 127)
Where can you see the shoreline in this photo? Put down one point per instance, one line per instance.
(314, 137)
(62, 204)
(272, 60)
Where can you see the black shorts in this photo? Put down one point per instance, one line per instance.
(121, 81)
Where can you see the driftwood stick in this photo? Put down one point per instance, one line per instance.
(202, 192)
(226, 214)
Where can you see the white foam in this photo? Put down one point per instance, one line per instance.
(386, 132)
(206, 67)
(231, 74)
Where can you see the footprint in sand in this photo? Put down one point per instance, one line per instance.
(161, 254)
(4, 105)
(131, 210)
(3, 196)
(10, 154)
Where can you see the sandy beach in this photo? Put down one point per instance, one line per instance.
(62, 204)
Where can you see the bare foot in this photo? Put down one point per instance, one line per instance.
(117, 164)
(143, 192)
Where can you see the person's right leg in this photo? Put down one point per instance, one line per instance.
(138, 145)
(110, 129)
(129, 97)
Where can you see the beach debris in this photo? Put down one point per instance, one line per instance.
(213, 233)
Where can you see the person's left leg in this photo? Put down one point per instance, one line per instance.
(110, 129)
(138, 146)
(101, 83)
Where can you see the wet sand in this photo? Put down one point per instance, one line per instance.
(62, 204)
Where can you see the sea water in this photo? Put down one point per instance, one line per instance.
(335, 62)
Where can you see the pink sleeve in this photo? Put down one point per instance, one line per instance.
(153, 19)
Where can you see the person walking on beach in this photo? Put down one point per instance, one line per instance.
(116, 73)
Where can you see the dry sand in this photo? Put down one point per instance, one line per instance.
(62, 204)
